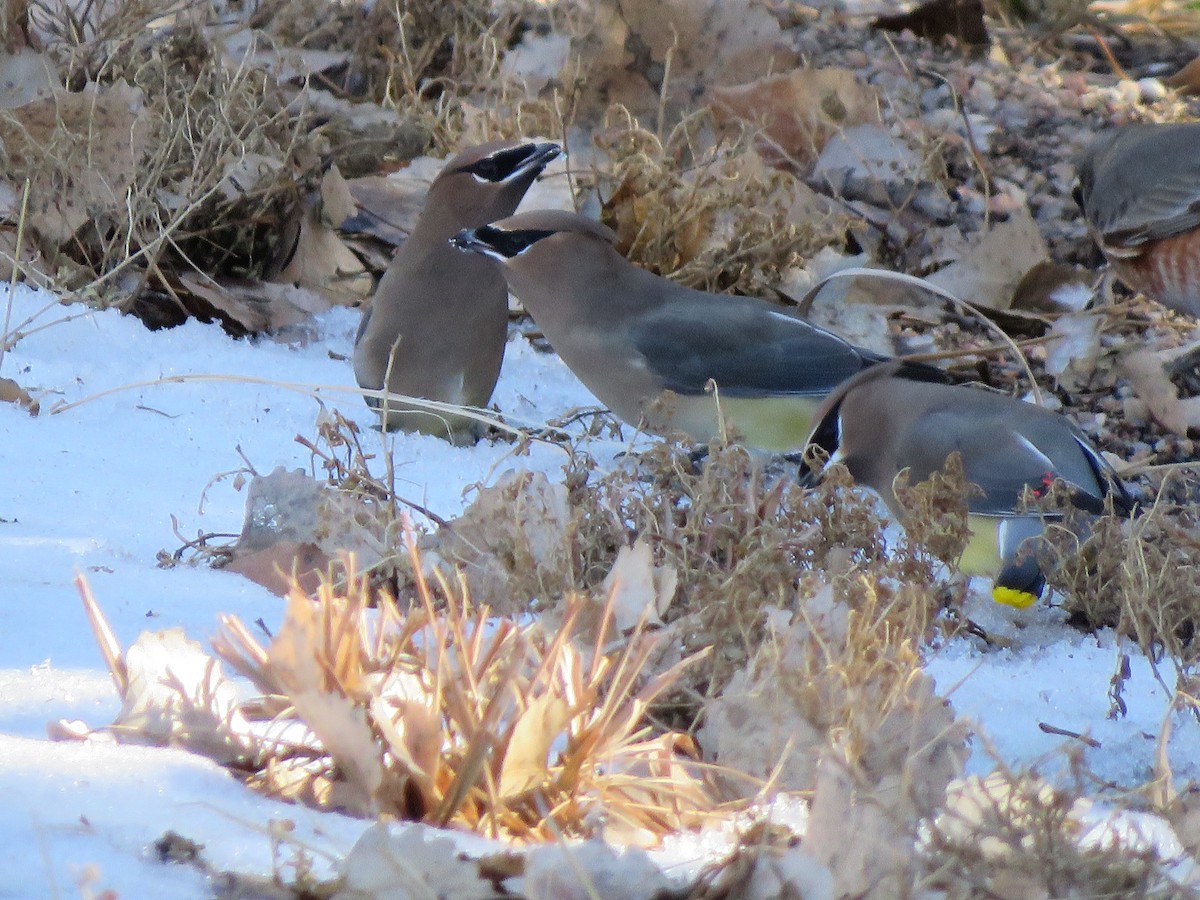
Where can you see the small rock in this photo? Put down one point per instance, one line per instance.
(1127, 92)
(1152, 90)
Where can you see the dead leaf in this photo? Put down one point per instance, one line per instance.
(1184, 815)
(525, 761)
(1074, 345)
(177, 695)
(990, 270)
(246, 306)
(283, 565)
(797, 112)
(512, 542)
(387, 208)
(404, 712)
(96, 140)
(26, 76)
(624, 52)
(866, 162)
(590, 869)
(337, 202)
(939, 19)
(1150, 382)
(11, 392)
(640, 591)
(320, 260)
(245, 173)
(1187, 79)
(340, 725)
(404, 861)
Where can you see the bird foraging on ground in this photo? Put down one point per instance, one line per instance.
(884, 421)
(438, 322)
(1139, 189)
(660, 354)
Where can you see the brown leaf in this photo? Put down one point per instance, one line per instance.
(26, 76)
(340, 725)
(1152, 385)
(11, 392)
(246, 306)
(413, 861)
(387, 207)
(640, 591)
(797, 112)
(337, 202)
(1187, 79)
(626, 49)
(525, 760)
(988, 272)
(938, 19)
(512, 542)
(281, 566)
(319, 259)
(94, 140)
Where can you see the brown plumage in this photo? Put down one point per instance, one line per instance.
(883, 421)
(1139, 189)
(661, 354)
(437, 325)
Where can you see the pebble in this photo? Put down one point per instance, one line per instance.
(1152, 90)
(1126, 92)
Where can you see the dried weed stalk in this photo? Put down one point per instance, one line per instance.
(738, 539)
(1014, 835)
(1140, 576)
(216, 153)
(456, 717)
(707, 215)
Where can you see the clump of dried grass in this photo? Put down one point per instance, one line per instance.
(218, 163)
(739, 542)
(1140, 576)
(834, 703)
(708, 215)
(447, 716)
(1015, 835)
(936, 517)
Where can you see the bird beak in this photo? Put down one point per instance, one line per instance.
(540, 156)
(468, 241)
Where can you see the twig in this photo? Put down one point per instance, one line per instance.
(1062, 732)
(902, 277)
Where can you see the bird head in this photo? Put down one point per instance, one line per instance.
(486, 182)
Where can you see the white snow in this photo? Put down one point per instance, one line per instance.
(93, 490)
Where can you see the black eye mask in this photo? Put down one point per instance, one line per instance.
(501, 164)
(506, 243)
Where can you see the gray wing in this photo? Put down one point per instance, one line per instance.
(1143, 183)
(1010, 447)
(747, 347)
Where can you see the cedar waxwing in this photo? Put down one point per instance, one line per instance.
(648, 348)
(882, 421)
(1139, 189)
(437, 325)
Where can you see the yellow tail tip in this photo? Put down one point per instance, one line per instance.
(1012, 597)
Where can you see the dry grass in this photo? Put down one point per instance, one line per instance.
(1139, 576)
(707, 215)
(1015, 835)
(449, 716)
(218, 164)
(739, 541)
